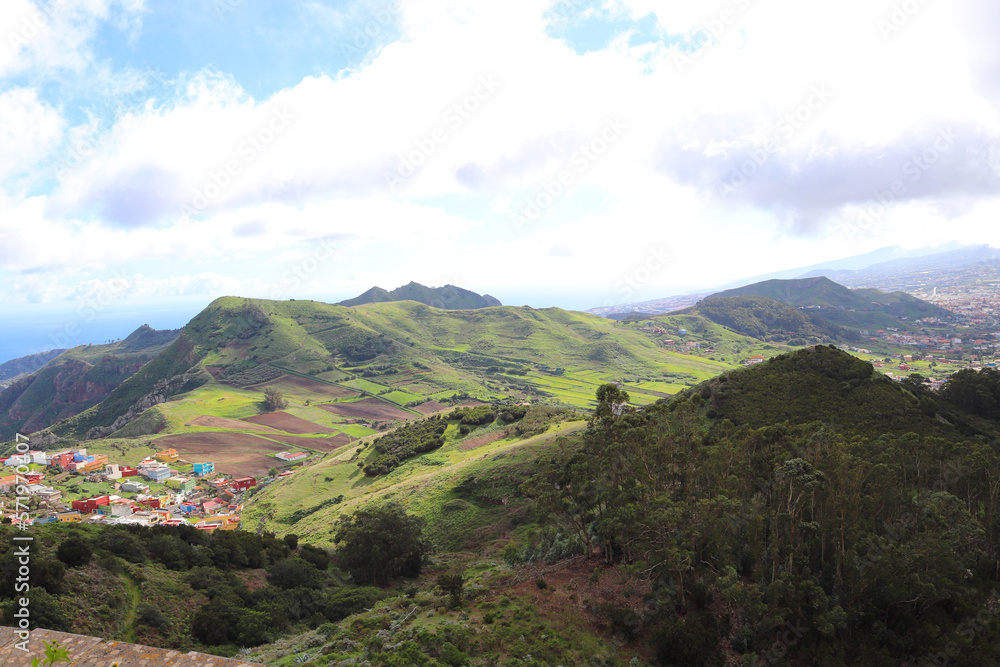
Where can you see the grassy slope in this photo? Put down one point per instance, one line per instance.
(404, 352)
(424, 484)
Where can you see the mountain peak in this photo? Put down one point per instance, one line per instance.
(448, 297)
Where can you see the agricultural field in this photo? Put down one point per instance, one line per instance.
(307, 389)
(282, 421)
(361, 384)
(236, 454)
(320, 444)
(368, 409)
(401, 398)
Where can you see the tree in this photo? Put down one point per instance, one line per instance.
(611, 402)
(378, 543)
(452, 583)
(75, 552)
(291, 573)
(274, 399)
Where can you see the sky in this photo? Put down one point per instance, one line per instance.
(157, 154)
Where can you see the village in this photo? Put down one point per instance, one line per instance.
(162, 489)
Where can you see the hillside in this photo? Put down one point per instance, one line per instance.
(378, 363)
(29, 364)
(805, 488)
(76, 380)
(863, 308)
(447, 297)
(765, 318)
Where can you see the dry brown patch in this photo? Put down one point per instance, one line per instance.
(429, 407)
(368, 408)
(480, 440)
(319, 444)
(288, 423)
(307, 386)
(209, 421)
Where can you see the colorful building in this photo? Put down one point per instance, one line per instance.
(168, 455)
(181, 483)
(90, 505)
(243, 483)
(69, 517)
(61, 460)
(202, 469)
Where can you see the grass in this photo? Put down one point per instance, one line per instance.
(401, 397)
(423, 483)
(361, 384)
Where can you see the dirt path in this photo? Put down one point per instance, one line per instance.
(135, 596)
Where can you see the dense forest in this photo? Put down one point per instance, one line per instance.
(808, 494)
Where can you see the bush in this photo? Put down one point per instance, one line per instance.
(452, 583)
(150, 614)
(291, 573)
(74, 552)
(379, 543)
(121, 542)
(342, 602)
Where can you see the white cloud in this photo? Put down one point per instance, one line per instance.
(45, 36)
(29, 129)
(268, 177)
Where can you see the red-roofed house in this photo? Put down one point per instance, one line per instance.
(243, 483)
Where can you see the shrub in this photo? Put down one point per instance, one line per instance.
(74, 552)
(151, 615)
(378, 543)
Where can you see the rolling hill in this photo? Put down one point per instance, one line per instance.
(345, 373)
(860, 308)
(448, 297)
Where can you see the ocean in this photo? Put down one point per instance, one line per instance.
(37, 329)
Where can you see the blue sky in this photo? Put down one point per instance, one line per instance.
(576, 153)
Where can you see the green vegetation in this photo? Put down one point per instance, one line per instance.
(380, 543)
(388, 451)
(864, 308)
(807, 490)
(449, 297)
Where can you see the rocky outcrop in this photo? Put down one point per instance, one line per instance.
(162, 390)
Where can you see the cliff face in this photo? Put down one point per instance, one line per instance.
(37, 401)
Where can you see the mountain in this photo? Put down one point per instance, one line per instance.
(447, 297)
(862, 308)
(403, 355)
(864, 269)
(76, 380)
(29, 364)
(761, 316)
(903, 270)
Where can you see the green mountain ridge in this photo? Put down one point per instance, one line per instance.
(27, 364)
(406, 351)
(77, 380)
(447, 297)
(857, 308)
